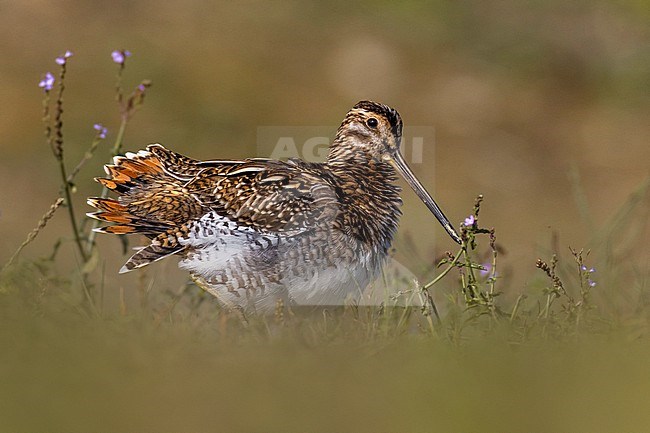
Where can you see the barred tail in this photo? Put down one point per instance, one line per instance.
(152, 201)
(112, 211)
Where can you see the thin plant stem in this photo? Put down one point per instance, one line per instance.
(440, 276)
(493, 273)
(73, 220)
(32, 235)
(89, 298)
(117, 147)
(46, 121)
(428, 298)
(58, 153)
(118, 84)
(471, 278)
(87, 156)
(515, 309)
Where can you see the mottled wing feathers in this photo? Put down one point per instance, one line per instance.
(183, 168)
(269, 196)
(163, 195)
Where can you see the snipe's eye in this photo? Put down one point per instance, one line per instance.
(372, 122)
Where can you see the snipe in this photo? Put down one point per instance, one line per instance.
(254, 231)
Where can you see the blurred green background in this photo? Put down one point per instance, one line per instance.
(543, 107)
(519, 94)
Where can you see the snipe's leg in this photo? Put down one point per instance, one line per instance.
(228, 306)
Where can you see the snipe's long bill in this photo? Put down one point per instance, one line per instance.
(256, 231)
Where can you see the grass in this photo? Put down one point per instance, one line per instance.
(62, 371)
(567, 353)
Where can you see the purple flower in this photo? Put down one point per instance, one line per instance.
(591, 283)
(487, 268)
(61, 60)
(119, 56)
(101, 130)
(583, 268)
(469, 221)
(142, 87)
(47, 82)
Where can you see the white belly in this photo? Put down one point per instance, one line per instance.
(244, 268)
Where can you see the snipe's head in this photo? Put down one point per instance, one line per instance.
(373, 132)
(370, 130)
